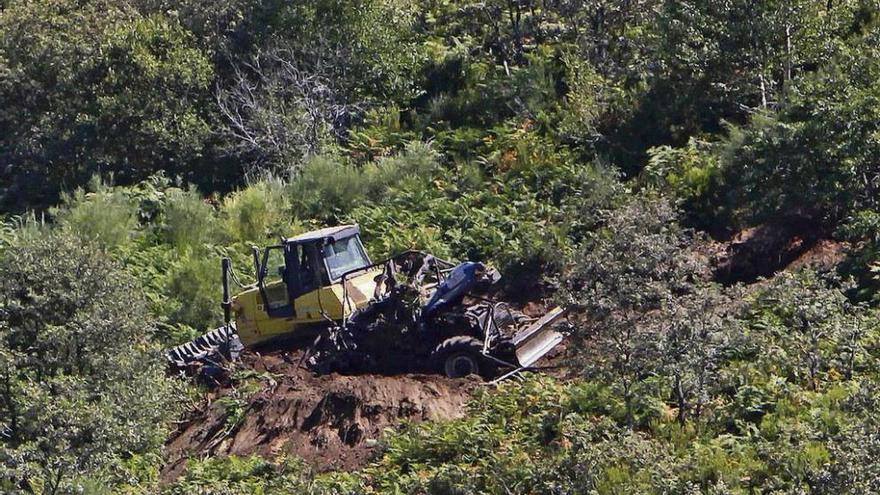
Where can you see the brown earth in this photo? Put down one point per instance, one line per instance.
(825, 254)
(332, 422)
(766, 249)
(793, 241)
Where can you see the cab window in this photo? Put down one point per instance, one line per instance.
(344, 256)
(274, 284)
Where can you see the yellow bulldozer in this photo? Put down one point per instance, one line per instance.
(411, 312)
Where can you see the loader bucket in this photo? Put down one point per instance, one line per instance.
(538, 339)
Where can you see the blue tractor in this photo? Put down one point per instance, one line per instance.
(431, 315)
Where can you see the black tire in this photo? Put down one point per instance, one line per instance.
(460, 356)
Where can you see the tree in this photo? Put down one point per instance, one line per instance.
(623, 282)
(855, 448)
(277, 113)
(96, 87)
(316, 66)
(694, 335)
(81, 384)
(695, 64)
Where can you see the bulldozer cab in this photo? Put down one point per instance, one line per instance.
(303, 264)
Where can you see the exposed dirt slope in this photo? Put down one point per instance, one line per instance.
(764, 250)
(332, 422)
(789, 243)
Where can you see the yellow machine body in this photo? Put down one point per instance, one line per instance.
(299, 287)
(255, 326)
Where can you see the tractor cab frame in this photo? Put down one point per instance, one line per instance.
(306, 263)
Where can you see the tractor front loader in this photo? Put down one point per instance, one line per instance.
(412, 312)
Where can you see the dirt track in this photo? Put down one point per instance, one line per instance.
(332, 422)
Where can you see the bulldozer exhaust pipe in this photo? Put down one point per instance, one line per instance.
(226, 265)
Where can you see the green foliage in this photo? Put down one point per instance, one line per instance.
(84, 385)
(94, 87)
(863, 230)
(536, 437)
(257, 214)
(522, 207)
(817, 152)
(234, 476)
(188, 220)
(150, 72)
(691, 175)
(103, 215)
(381, 42)
(328, 187)
(811, 329)
(193, 280)
(645, 311)
(379, 135)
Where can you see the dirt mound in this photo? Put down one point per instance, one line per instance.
(766, 249)
(825, 254)
(332, 422)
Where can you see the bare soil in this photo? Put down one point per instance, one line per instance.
(825, 254)
(333, 422)
(789, 243)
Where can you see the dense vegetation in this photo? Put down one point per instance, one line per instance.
(590, 148)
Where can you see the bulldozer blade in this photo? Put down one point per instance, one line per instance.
(538, 339)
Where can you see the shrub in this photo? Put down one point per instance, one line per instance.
(863, 230)
(810, 328)
(257, 213)
(381, 134)
(101, 214)
(83, 384)
(327, 187)
(418, 163)
(193, 284)
(692, 176)
(630, 280)
(188, 220)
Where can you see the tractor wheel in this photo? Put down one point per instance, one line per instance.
(460, 356)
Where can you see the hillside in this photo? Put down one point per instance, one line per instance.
(696, 182)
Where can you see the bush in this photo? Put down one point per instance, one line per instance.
(810, 329)
(189, 221)
(258, 213)
(103, 214)
(242, 476)
(83, 384)
(863, 230)
(692, 176)
(329, 187)
(326, 188)
(193, 282)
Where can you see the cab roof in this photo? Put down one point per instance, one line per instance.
(328, 233)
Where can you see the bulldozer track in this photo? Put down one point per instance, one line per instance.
(207, 347)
